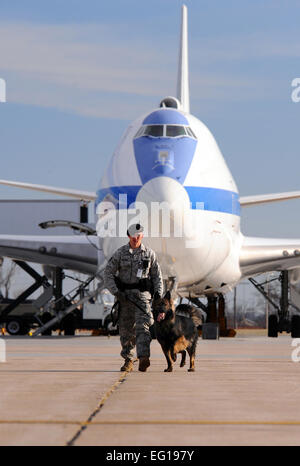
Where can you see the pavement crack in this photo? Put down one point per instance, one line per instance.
(98, 408)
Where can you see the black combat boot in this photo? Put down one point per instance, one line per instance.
(144, 363)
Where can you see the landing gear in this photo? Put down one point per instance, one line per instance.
(215, 311)
(295, 326)
(282, 321)
(272, 325)
(221, 317)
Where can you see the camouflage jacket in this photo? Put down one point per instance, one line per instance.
(131, 265)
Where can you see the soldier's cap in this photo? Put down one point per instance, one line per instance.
(135, 230)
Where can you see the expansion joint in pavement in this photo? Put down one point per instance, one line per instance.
(109, 392)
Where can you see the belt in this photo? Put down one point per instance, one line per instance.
(144, 284)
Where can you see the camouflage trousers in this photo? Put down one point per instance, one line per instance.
(134, 323)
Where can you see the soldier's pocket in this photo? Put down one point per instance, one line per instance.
(125, 266)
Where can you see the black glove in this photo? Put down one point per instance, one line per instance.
(115, 313)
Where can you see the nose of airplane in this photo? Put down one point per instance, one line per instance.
(164, 189)
(171, 230)
(166, 205)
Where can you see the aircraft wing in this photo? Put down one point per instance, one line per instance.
(91, 196)
(79, 253)
(83, 195)
(265, 198)
(260, 255)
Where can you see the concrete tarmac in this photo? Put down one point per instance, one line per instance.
(69, 391)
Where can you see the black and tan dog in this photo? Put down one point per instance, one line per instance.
(176, 331)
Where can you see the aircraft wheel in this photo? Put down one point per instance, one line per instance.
(295, 330)
(17, 327)
(272, 326)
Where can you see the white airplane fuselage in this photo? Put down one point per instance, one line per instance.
(168, 174)
(169, 158)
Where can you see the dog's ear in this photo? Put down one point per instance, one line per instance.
(156, 296)
(168, 295)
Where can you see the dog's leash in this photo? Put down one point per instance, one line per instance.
(119, 305)
(135, 304)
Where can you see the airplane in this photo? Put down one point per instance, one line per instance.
(169, 156)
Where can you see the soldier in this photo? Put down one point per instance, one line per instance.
(131, 274)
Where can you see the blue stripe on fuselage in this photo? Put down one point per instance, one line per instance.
(213, 199)
(209, 199)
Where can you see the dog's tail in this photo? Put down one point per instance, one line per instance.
(191, 312)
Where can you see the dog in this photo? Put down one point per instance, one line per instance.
(176, 331)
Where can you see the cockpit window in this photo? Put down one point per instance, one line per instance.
(156, 131)
(190, 132)
(174, 130)
(169, 131)
(140, 132)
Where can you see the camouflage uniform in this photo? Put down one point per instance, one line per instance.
(130, 265)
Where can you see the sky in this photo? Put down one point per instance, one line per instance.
(77, 73)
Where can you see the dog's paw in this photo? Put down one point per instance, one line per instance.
(191, 370)
(169, 369)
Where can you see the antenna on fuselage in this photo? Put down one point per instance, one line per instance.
(183, 93)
